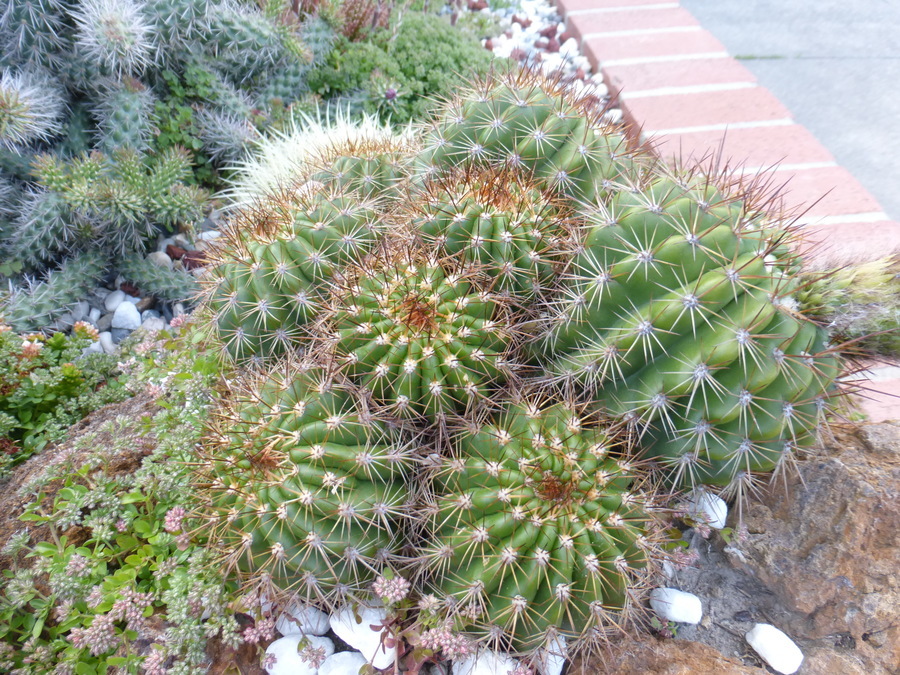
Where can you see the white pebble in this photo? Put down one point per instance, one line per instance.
(287, 660)
(344, 663)
(484, 662)
(126, 316)
(569, 47)
(153, 324)
(209, 235)
(105, 340)
(678, 606)
(298, 619)
(361, 636)
(160, 259)
(93, 348)
(775, 648)
(94, 316)
(113, 300)
(80, 310)
(707, 507)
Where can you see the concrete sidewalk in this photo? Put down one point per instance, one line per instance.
(835, 65)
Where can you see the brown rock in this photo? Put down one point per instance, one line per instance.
(651, 656)
(830, 662)
(129, 289)
(580, 74)
(193, 259)
(518, 54)
(553, 45)
(525, 22)
(565, 35)
(489, 45)
(145, 303)
(830, 548)
(541, 44)
(477, 5)
(549, 31)
(175, 252)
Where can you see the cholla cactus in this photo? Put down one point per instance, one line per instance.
(34, 32)
(227, 137)
(678, 315)
(116, 34)
(308, 493)
(45, 301)
(537, 527)
(124, 115)
(424, 340)
(31, 108)
(44, 229)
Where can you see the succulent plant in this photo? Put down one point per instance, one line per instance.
(116, 34)
(535, 123)
(34, 32)
(678, 315)
(31, 108)
(536, 528)
(496, 221)
(124, 116)
(307, 493)
(161, 282)
(270, 273)
(423, 339)
(43, 302)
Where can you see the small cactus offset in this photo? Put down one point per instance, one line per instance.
(424, 340)
(270, 274)
(678, 314)
(115, 34)
(307, 493)
(34, 32)
(537, 527)
(124, 116)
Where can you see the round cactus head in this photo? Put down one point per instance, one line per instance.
(307, 492)
(533, 122)
(273, 266)
(678, 314)
(418, 334)
(496, 221)
(536, 528)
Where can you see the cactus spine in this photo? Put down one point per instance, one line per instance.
(310, 492)
(536, 527)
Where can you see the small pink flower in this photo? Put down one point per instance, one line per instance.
(178, 321)
(31, 349)
(391, 590)
(173, 521)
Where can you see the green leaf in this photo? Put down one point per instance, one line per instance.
(133, 497)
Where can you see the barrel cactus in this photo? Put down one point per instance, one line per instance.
(498, 222)
(532, 122)
(423, 339)
(272, 269)
(537, 526)
(678, 315)
(307, 492)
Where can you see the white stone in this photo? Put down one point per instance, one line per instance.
(345, 663)
(178, 309)
(613, 115)
(569, 47)
(80, 310)
(706, 507)
(105, 340)
(93, 348)
(552, 658)
(126, 316)
(209, 235)
(113, 300)
(153, 324)
(678, 606)
(298, 619)
(287, 658)
(133, 299)
(94, 316)
(160, 259)
(361, 636)
(775, 648)
(484, 662)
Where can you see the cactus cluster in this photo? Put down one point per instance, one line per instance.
(85, 131)
(556, 324)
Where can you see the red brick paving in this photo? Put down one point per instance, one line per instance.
(628, 20)
(641, 77)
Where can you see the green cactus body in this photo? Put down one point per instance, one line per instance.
(161, 282)
(678, 316)
(271, 272)
(244, 41)
(530, 122)
(35, 32)
(308, 495)
(422, 340)
(287, 84)
(44, 229)
(125, 117)
(496, 222)
(31, 108)
(371, 171)
(48, 300)
(535, 528)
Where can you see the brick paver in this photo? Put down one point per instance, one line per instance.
(628, 20)
(685, 111)
(643, 77)
(851, 241)
(826, 192)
